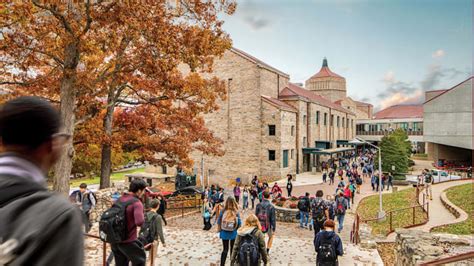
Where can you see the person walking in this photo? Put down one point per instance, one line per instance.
(131, 249)
(206, 211)
(276, 191)
(228, 223)
(152, 229)
(319, 211)
(249, 247)
(265, 213)
(162, 208)
(325, 175)
(373, 181)
(237, 193)
(389, 181)
(304, 207)
(340, 209)
(85, 200)
(245, 198)
(37, 227)
(289, 185)
(253, 195)
(328, 245)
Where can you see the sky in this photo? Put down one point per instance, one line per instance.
(389, 51)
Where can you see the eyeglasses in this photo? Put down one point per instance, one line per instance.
(61, 138)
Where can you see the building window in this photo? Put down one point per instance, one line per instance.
(304, 141)
(292, 153)
(332, 120)
(304, 119)
(343, 120)
(338, 121)
(271, 130)
(285, 158)
(271, 155)
(292, 130)
(317, 117)
(325, 119)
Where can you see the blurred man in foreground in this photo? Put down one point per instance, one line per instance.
(36, 226)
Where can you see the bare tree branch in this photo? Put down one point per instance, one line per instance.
(88, 18)
(57, 15)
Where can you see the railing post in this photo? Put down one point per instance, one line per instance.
(391, 226)
(414, 214)
(428, 210)
(104, 253)
(152, 254)
(182, 209)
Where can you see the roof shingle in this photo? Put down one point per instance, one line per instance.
(400, 111)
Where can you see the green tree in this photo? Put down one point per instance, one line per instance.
(401, 137)
(394, 153)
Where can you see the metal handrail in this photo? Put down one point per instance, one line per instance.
(454, 258)
(104, 250)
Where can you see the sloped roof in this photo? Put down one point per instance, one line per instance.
(400, 111)
(445, 91)
(362, 103)
(258, 61)
(325, 72)
(294, 90)
(279, 104)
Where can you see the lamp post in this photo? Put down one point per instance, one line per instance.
(381, 213)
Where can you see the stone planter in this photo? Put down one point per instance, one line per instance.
(286, 215)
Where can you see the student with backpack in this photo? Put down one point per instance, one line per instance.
(152, 228)
(389, 181)
(325, 176)
(85, 200)
(228, 223)
(428, 178)
(328, 245)
(37, 227)
(319, 211)
(118, 226)
(237, 193)
(358, 182)
(162, 208)
(206, 212)
(249, 247)
(340, 209)
(265, 213)
(304, 207)
(331, 177)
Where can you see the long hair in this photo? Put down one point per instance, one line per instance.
(252, 221)
(230, 208)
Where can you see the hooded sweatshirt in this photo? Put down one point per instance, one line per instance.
(247, 230)
(324, 235)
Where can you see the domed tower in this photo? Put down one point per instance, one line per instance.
(327, 84)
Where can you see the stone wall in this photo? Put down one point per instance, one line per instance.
(104, 202)
(414, 247)
(286, 215)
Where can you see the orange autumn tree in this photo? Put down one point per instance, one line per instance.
(101, 55)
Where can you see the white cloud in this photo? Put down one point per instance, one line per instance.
(402, 98)
(439, 53)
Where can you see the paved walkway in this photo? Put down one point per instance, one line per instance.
(438, 214)
(303, 179)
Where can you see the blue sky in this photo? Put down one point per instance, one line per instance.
(389, 51)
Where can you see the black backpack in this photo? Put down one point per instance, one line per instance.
(326, 252)
(249, 250)
(317, 211)
(113, 222)
(148, 230)
(303, 204)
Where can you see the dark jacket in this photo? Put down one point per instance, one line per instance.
(326, 235)
(47, 226)
(271, 212)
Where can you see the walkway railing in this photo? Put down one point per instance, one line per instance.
(454, 258)
(104, 250)
(184, 203)
(385, 133)
(422, 203)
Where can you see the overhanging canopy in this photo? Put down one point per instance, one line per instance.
(326, 151)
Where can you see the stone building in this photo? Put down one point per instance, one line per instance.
(266, 123)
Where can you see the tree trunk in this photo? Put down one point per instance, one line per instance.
(63, 166)
(106, 160)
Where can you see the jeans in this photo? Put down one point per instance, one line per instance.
(304, 216)
(389, 184)
(129, 252)
(253, 202)
(226, 243)
(246, 203)
(340, 221)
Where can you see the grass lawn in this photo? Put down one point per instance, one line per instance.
(114, 177)
(369, 207)
(461, 196)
